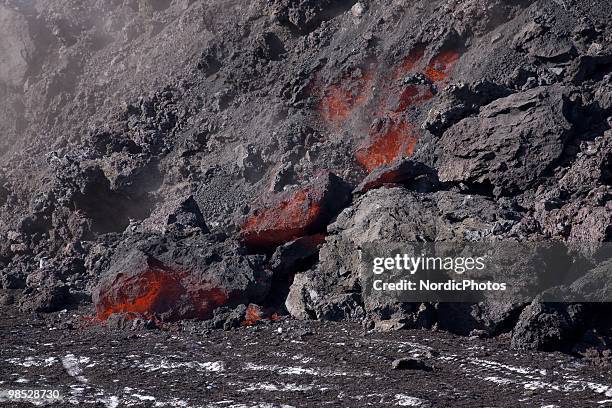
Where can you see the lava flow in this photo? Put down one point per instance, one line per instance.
(158, 292)
(338, 101)
(289, 219)
(412, 95)
(410, 62)
(390, 141)
(437, 69)
(291, 215)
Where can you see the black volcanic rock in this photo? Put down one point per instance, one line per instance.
(549, 326)
(144, 139)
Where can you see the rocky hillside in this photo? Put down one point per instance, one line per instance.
(177, 159)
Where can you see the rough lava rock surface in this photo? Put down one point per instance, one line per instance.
(168, 144)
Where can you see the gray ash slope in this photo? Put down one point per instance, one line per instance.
(137, 131)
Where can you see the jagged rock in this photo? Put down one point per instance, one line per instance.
(510, 145)
(549, 326)
(297, 299)
(179, 214)
(419, 177)
(306, 15)
(333, 287)
(291, 255)
(48, 297)
(458, 101)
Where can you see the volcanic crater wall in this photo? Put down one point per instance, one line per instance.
(180, 158)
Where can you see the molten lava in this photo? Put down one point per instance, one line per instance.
(338, 101)
(253, 315)
(410, 62)
(393, 140)
(437, 69)
(156, 292)
(412, 95)
(289, 219)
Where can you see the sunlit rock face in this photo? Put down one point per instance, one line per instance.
(16, 47)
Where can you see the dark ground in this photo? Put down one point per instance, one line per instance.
(289, 363)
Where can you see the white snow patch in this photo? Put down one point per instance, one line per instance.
(32, 361)
(498, 380)
(282, 387)
(71, 365)
(404, 400)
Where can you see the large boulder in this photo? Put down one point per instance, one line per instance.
(333, 290)
(549, 326)
(173, 278)
(511, 144)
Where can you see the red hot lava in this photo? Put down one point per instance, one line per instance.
(391, 141)
(158, 292)
(412, 95)
(410, 62)
(255, 314)
(438, 67)
(338, 101)
(296, 214)
(289, 219)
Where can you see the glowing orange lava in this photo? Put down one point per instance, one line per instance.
(253, 315)
(396, 139)
(157, 291)
(289, 219)
(437, 69)
(340, 100)
(412, 95)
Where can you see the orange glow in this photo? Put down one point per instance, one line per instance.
(157, 291)
(253, 315)
(395, 140)
(410, 62)
(289, 219)
(340, 100)
(437, 69)
(412, 95)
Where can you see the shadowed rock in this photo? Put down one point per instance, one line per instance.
(399, 173)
